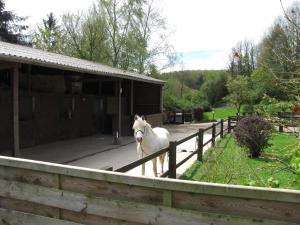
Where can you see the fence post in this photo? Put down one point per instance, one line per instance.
(200, 144)
(229, 125)
(280, 128)
(182, 116)
(213, 135)
(222, 126)
(172, 159)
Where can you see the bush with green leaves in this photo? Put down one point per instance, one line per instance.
(253, 133)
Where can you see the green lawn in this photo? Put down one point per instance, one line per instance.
(228, 163)
(220, 113)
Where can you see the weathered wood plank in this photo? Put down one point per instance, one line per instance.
(28, 207)
(112, 190)
(29, 176)
(15, 94)
(88, 219)
(238, 206)
(121, 210)
(159, 183)
(12, 217)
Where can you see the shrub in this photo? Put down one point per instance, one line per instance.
(198, 113)
(253, 132)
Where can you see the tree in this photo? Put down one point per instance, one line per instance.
(131, 27)
(48, 37)
(85, 36)
(11, 27)
(215, 87)
(240, 92)
(243, 58)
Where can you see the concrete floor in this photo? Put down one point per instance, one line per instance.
(99, 151)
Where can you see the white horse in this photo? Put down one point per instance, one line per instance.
(149, 141)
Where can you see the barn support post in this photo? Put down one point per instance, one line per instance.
(161, 99)
(200, 145)
(131, 97)
(119, 109)
(172, 159)
(15, 98)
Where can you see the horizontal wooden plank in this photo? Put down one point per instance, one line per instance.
(159, 183)
(28, 207)
(112, 190)
(29, 176)
(88, 219)
(121, 210)
(238, 206)
(141, 161)
(12, 217)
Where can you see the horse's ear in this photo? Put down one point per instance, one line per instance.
(136, 117)
(143, 117)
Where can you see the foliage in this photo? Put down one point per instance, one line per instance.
(11, 26)
(240, 92)
(130, 34)
(228, 163)
(214, 88)
(271, 106)
(243, 58)
(253, 133)
(198, 113)
(48, 37)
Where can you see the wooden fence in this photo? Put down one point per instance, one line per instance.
(35, 193)
(171, 150)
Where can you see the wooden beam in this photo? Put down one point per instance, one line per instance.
(13, 217)
(15, 90)
(161, 99)
(131, 97)
(120, 107)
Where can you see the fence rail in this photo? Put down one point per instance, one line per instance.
(34, 193)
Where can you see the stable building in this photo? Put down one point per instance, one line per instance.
(46, 97)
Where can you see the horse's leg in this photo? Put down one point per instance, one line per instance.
(162, 160)
(154, 167)
(140, 154)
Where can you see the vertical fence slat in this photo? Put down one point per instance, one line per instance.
(200, 144)
(229, 125)
(172, 159)
(213, 135)
(221, 128)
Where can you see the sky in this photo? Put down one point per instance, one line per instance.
(202, 32)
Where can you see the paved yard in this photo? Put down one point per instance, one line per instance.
(99, 151)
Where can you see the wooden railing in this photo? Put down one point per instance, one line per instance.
(35, 193)
(173, 165)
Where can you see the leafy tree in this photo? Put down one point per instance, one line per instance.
(11, 27)
(48, 37)
(215, 88)
(240, 92)
(243, 58)
(85, 36)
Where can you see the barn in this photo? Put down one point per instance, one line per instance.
(47, 97)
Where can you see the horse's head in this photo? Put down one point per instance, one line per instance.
(139, 127)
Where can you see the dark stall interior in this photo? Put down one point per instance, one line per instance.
(57, 105)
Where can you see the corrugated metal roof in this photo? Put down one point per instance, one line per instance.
(23, 54)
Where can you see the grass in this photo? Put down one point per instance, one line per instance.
(220, 113)
(227, 163)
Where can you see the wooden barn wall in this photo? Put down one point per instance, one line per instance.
(146, 98)
(6, 129)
